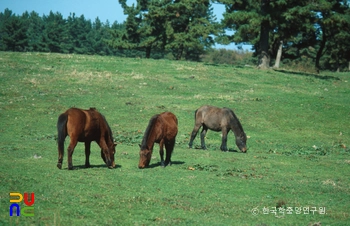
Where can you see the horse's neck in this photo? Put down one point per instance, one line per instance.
(150, 140)
(236, 128)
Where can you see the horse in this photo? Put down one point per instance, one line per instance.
(85, 126)
(162, 129)
(218, 119)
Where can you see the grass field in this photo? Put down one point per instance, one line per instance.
(298, 127)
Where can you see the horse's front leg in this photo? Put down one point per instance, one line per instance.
(223, 146)
(203, 133)
(161, 152)
(87, 153)
(72, 144)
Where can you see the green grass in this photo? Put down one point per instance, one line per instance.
(298, 126)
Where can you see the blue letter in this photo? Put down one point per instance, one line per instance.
(17, 209)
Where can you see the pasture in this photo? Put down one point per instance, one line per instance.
(297, 163)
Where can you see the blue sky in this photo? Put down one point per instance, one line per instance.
(91, 9)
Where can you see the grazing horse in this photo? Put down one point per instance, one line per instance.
(162, 129)
(218, 119)
(85, 126)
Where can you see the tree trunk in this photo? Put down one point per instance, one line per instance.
(320, 50)
(148, 52)
(179, 53)
(264, 57)
(279, 55)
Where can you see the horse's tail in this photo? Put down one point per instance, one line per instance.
(61, 130)
(195, 114)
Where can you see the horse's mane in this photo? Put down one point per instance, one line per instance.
(92, 112)
(239, 125)
(148, 131)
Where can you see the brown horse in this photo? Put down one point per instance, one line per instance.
(85, 126)
(218, 119)
(162, 129)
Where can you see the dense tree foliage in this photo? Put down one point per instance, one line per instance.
(308, 29)
(53, 33)
(297, 31)
(184, 28)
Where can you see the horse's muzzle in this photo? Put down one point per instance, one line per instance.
(112, 165)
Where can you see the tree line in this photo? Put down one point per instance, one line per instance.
(280, 31)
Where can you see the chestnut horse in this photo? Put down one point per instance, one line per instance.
(85, 126)
(162, 129)
(218, 119)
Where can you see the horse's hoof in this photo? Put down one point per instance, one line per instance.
(59, 165)
(70, 167)
(87, 166)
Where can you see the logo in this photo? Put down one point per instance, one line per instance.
(27, 210)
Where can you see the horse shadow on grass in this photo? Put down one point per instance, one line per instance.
(157, 164)
(236, 151)
(80, 167)
(214, 149)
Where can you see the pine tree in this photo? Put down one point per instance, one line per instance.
(13, 32)
(190, 28)
(303, 26)
(35, 32)
(56, 36)
(177, 26)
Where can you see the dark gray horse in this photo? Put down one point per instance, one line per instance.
(218, 119)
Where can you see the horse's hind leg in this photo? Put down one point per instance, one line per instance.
(72, 144)
(223, 146)
(203, 133)
(161, 152)
(194, 134)
(169, 146)
(87, 154)
(60, 155)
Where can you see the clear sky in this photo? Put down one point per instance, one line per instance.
(91, 9)
(105, 10)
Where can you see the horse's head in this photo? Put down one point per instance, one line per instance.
(241, 142)
(145, 157)
(109, 159)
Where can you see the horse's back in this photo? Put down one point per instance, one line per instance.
(214, 117)
(169, 117)
(86, 124)
(76, 120)
(169, 123)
